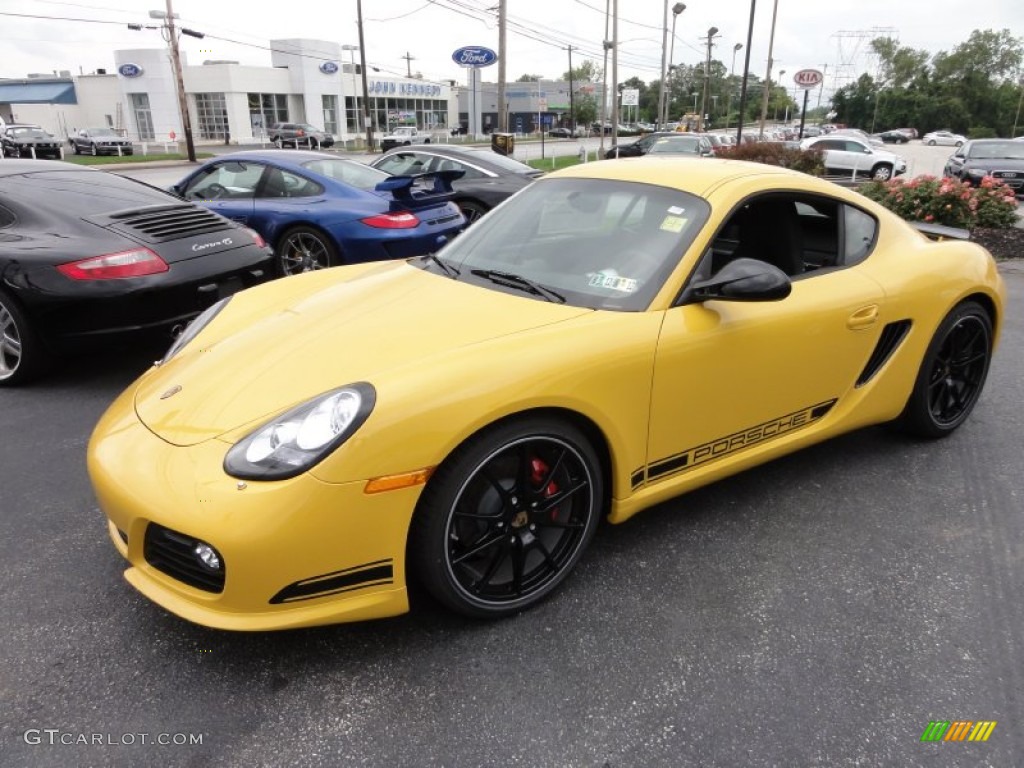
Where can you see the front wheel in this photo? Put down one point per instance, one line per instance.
(881, 172)
(304, 249)
(952, 373)
(505, 519)
(931, 143)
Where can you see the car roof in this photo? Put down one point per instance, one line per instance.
(286, 158)
(12, 167)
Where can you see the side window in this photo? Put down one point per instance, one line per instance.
(281, 183)
(855, 146)
(402, 163)
(860, 231)
(227, 181)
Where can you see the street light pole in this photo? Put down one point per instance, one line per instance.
(746, 70)
(664, 63)
(728, 95)
(606, 44)
(707, 78)
(666, 95)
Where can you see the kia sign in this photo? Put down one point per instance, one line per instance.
(130, 70)
(808, 78)
(474, 57)
(329, 67)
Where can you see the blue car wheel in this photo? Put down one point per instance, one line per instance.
(303, 249)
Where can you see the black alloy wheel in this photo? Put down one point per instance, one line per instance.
(503, 521)
(304, 249)
(472, 211)
(952, 373)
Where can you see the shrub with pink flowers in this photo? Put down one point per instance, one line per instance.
(947, 201)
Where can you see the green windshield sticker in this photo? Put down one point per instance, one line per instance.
(673, 224)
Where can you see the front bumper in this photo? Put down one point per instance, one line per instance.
(295, 553)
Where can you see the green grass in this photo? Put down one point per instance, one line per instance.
(555, 163)
(109, 159)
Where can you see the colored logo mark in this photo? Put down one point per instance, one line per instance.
(958, 730)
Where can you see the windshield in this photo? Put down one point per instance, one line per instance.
(356, 174)
(1002, 150)
(599, 243)
(30, 133)
(102, 132)
(674, 145)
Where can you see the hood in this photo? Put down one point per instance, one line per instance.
(293, 339)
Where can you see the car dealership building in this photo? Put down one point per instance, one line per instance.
(308, 81)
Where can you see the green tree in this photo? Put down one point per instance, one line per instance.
(586, 109)
(529, 78)
(588, 71)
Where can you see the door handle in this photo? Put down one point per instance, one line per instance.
(863, 318)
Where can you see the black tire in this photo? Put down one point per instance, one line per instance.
(952, 373)
(75, 147)
(931, 142)
(881, 172)
(471, 210)
(959, 144)
(94, 152)
(505, 518)
(22, 356)
(304, 249)
(426, 141)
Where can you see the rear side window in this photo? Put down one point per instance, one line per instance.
(860, 231)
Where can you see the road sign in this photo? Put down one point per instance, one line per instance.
(542, 105)
(631, 97)
(808, 78)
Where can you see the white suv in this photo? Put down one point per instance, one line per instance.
(849, 155)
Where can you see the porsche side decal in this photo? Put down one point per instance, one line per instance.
(745, 438)
(359, 577)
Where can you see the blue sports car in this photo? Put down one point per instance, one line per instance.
(318, 211)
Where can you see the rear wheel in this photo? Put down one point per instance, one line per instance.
(22, 356)
(304, 249)
(472, 211)
(952, 373)
(74, 146)
(506, 517)
(931, 142)
(94, 151)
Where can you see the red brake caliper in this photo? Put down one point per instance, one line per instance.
(539, 469)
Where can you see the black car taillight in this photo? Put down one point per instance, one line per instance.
(137, 262)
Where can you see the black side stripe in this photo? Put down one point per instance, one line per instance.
(360, 577)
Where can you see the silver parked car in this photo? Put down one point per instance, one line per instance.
(100, 141)
(943, 138)
(847, 155)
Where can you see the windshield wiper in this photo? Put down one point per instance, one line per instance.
(512, 280)
(449, 270)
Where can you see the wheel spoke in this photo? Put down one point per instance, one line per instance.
(479, 546)
(492, 568)
(552, 563)
(546, 481)
(502, 491)
(558, 498)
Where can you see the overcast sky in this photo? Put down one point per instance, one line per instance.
(808, 34)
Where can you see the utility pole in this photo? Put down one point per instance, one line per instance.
(366, 88)
(666, 96)
(408, 64)
(502, 107)
(572, 121)
(768, 76)
(615, 73)
(732, 74)
(186, 121)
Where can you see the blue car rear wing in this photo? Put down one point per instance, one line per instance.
(406, 189)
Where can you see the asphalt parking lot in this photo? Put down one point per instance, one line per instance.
(817, 611)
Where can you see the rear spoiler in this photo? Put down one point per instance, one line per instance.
(404, 187)
(940, 231)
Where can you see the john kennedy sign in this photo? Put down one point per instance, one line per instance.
(474, 57)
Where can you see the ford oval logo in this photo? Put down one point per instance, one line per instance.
(329, 67)
(130, 70)
(474, 56)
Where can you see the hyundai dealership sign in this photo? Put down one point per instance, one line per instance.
(474, 57)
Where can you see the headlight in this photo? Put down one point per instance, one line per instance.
(979, 172)
(293, 442)
(192, 329)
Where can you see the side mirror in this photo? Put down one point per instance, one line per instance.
(742, 280)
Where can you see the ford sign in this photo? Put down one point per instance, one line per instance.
(130, 70)
(474, 56)
(329, 67)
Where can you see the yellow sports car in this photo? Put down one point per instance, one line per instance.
(613, 335)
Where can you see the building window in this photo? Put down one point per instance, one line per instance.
(143, 116)
(213, 116)
(266, 109)
(330, 103)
